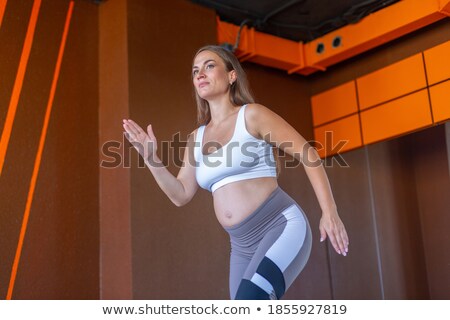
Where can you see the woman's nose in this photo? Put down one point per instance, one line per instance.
(200, 75)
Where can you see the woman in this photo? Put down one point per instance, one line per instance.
(231, 155)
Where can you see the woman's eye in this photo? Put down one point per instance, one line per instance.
(209, 66)
(194, 72)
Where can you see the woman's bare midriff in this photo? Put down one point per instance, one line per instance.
(236, 201)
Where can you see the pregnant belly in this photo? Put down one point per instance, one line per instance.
(237, 200)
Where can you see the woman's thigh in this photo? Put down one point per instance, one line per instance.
(238, 266)
(279, 258)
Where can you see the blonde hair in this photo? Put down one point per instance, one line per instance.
(239, 91)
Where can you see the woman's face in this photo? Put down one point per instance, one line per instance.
(209, 75)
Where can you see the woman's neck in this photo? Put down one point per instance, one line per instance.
(220, 110)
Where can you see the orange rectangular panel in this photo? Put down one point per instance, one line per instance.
(437, 63)
(396, 117)
(339, 136)
(440, 101)
(391, 82)
(335, 103)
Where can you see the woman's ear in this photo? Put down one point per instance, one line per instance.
(232, 76)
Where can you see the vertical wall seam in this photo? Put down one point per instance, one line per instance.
(419, 214)
(447, 139)
(374, 221)
(329, 271)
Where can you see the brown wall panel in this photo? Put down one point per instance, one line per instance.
(432, 176)
(397, 218)
(12, 192)
(61, 256)
(115, 211)
(27, 128)
(356, 276)
(59, 259)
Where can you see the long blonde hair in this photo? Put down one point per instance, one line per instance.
(239, 92)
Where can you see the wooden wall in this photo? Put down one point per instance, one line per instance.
(49, 226)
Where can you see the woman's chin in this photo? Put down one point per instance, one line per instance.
(204, 96)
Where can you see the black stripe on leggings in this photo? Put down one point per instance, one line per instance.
(270, 271)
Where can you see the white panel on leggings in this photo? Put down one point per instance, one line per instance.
(262, 283)
(289, 243)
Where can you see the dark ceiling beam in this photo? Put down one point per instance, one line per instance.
(217, 5)
(280, 9)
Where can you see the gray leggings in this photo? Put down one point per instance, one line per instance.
(268, 249)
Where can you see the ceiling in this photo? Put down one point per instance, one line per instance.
(298, 20)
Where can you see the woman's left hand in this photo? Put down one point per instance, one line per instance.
(331, 225)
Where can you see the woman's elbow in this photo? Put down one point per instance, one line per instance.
(180, 202)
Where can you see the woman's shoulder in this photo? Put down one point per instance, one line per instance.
(256, 112)
(257, 109)
(256, 115)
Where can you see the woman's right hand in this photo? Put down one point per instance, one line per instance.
(144, 142)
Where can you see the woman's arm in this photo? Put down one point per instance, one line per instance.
(271, 127)
(180, 189)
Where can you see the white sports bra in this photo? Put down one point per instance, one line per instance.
(243, 157)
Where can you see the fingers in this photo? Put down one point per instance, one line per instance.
(134, 126)
(150, 132)
(131, 127)
(343, 241)
(344, 238)
(337, 234)
(340, 241)
(129, 133)
(323, 234)
(134, 132)
(335, 244)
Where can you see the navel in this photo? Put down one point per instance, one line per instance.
(228, 214)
